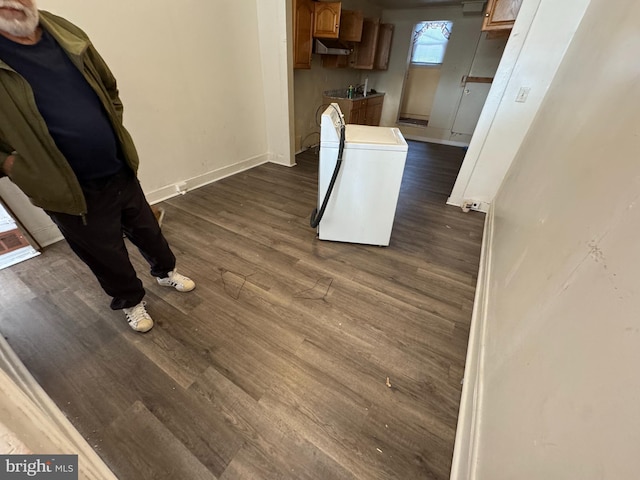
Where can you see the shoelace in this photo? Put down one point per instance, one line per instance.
(139, 312)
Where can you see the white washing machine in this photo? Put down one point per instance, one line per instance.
(362, 205)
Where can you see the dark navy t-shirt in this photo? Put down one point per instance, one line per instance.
(71, 109)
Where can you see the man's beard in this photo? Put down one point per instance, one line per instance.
(19, 27)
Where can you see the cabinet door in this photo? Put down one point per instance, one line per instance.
(335, 61)
(501, 14)
(358, 112)
(345, 105)
(327, 19)
(302, 31)
(364, 52)
(383, 48)
(351, 23)
(373, 111)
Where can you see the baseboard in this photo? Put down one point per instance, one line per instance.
(414, 116)
(48, 235)
(476, 206)
(441, 141)
(466, 443)
(180, 188)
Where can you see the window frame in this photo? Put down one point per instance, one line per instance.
(415, 42)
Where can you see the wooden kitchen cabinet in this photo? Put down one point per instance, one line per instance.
(302, 33)
(364, 53)
(383, 48)
(359, 111)
(374, 49)
(351, 23)
(326, 19)
(500, 14)
(335, 61)
(373, 110)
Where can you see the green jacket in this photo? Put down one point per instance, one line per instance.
(40, 170)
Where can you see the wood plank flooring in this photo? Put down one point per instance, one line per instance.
(294, 358)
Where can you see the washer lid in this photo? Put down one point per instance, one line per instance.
(371, 138)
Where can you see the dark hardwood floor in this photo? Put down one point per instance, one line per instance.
(294, 358)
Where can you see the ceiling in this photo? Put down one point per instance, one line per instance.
(400, 4)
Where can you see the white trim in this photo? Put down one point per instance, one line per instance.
(466, 443)
(436, 140)
(48, 235)
(284, 163)
(477, 206)
(16, 256)
(184, 186)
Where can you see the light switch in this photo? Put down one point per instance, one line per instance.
(523, 93)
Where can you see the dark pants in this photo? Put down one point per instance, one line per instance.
(115, 206)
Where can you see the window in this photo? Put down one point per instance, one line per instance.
(430, 42)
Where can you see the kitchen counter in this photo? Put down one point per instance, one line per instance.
(359, 110)
(342, 94)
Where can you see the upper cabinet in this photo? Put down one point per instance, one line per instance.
(327, 19)
(302, 33)
(351, 22)
(369, 40)
(372, 53)
(500, 14)
(383, 49)
(364, 53)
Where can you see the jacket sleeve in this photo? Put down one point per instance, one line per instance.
(108, 80)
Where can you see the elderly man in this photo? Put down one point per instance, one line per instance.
(62, 142)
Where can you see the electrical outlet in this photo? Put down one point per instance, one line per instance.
(523, 93)
(181, 188)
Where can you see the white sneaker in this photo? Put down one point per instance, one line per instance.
(177, 281)
(138, 318)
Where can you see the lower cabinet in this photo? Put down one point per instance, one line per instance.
(373, 111)
(360, 111)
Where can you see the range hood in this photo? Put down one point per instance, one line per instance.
(331, 47)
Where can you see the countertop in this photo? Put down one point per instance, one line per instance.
(342, 94)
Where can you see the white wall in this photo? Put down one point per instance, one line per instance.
(535, 48)
(205, 87)
(488, 55)
(275, 26)
(558, 388)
